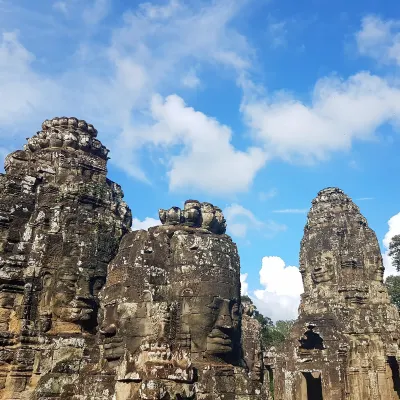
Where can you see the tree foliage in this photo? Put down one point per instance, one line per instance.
(271, 334)
(394, 251)
(393, 286)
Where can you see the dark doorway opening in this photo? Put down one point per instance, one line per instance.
(271, 381)
(394, 366)
(314, 385)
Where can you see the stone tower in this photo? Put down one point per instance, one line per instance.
(61, 221)
(345, 343)
(171, 316)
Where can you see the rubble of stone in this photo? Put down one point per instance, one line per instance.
(345, 343)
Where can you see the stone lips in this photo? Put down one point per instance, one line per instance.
(67, 133)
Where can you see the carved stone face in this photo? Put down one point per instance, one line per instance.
(213, 323)
(323, 270)
(192, 213)
(132, 325)
(75, 294)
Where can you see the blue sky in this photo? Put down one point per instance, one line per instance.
(252, 105)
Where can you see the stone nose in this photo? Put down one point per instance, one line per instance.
(83, 291)
(224, 320)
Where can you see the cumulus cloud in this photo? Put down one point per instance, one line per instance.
(220, 168)
(152, 52)
(394, 229)
(240, 220)
(280, 297)
(379, 39)
(147, 223)
(244, 286)
(341, 111)
(147, 53)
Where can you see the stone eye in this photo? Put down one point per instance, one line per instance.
(214, 305)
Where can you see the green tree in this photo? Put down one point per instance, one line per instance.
(284, 327)
(393, 286)
(271, 335)
(394, 251)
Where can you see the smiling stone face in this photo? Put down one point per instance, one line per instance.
(206, 278)
(172, 298)
(76, 294)
(324, 270)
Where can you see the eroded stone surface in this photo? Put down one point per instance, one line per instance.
(171, 316)
(345, 343)
(61, 221)
(168, 322)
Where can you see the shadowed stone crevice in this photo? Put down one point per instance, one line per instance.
(394, 366)
(311, 340)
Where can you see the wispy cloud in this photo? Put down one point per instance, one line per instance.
(291, 211)
(263, 196)
(61, 6)
(365, 198)
(240, 220)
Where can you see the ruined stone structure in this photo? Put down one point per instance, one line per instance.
(167, 323)
(345, 343)
(61, 221)
(92, 311)
(171, 315)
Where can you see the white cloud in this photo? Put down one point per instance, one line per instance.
(280, 297)
(365, 198)
(208, 162)
(147, 223)
(379, 39)
(96, 12)
(191, 80)
(263, 196)
(277, 33)
(291, 211)
(24, 93)
(240, 220)
(148, 54)
(160, 12)
(244, 286)
(341, 111)
(151, 52)
(394, 229)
